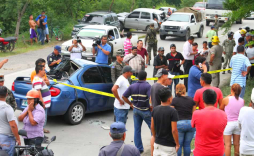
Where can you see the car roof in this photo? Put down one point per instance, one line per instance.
(99, 27)
(149, 10)
(100, 13)
(183, 13)
(83, 62)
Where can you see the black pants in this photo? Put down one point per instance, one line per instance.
(34, 141)
(186, 66)
(252, 72)
(210, 44)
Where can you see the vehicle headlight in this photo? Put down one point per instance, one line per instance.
(182, 28)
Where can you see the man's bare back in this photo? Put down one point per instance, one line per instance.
(32, 24)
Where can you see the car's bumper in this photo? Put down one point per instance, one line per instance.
(212, 19)
(164, 32)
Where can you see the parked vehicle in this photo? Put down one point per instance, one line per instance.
(97, 18)
(32, 150)
(71, 102)
(89, 33)
(199, 6)
(251, 16)
(165, 9)
(7, 44)
(121, 16)
(140, 19)
(183, 23)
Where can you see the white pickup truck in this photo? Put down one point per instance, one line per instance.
(87, 35)
(182, 24)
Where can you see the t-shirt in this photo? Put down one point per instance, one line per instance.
(40, 85)
(159, 62)
(210, 34)
(6, 115)
(204, 53)
(76, 52)
(250, 53)
(155, 95)
(194, 80)
(246, 119)
(237, 35)
(33, 74)
(210, 124)
(102, 58)
(162, 117)
(184, 106)
(127, 45)
(142, 52)
(41, 24)
(172, 60)
(123, 85)
(45, 19)
(199, 96)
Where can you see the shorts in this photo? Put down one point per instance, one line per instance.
(232, 128)
(47, 30)
(32, 33)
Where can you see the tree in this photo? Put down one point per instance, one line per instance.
(110, 8)
(132, 5)
(20, 14)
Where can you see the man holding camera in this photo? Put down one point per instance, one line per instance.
(76, 49)
(103, 50)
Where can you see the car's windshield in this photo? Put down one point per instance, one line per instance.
(179, 18)
(93, 19)
(91, 33)
(215, 4)
(199, 5)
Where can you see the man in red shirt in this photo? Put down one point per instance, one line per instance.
(210, 124)
(142, 51)
(205, 81)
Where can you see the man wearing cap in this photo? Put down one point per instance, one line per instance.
(246, 122)
(121, 108)
(134, 60)
(164, 80)
(160, 61)
(209, 35)
(241, 67)
(54, 58)
(140, 93)
(243, 34)
(76, 49)
(215, 57)
(151, 39)
(117, 146)
(174, 63)
(237, 35)
(117, 66)
(228, 46)
(10, 99)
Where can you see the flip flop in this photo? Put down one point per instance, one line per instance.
(46, 131)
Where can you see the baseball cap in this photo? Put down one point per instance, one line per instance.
(252, 96)
(119, 53)
(117, 127)
(161, 49)
(212, 27)
(172, 45)
(1, 78)
(248, 34)
(162, 71)
(58, 48)
(128, 69)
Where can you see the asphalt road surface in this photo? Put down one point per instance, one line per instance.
(88, 137)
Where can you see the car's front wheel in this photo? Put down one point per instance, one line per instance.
(75, 113)
(162, 37)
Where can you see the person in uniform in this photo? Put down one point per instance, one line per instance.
(215, 60)
(152, 40)
(228, 46)
(117, 146)
(54, 58)
(117, 66)
(216, 24)
(10, 99)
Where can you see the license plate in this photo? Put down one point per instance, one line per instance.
(170, 32)
(24, 103)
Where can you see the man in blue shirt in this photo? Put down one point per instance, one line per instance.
(46, 29)
(195, 74)
(103, 50)
(241, 67)
(140, 93)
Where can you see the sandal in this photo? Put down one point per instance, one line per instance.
(46, 131)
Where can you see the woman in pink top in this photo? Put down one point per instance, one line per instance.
(232, 105)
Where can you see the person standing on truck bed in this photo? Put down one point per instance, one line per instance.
(152, 40)
(103, 50)
(127, 45)
(209, 35)
(117, 67)
(10, 99)
(216, 24)
(54, 58)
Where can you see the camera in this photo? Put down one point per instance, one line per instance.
(78, 40)
(96, 41)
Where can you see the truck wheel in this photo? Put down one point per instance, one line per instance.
(187, 35)
(207, 23)
(162, 37)
(121, 26)
(200, 33)
(75, 113)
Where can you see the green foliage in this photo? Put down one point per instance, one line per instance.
(188, 3)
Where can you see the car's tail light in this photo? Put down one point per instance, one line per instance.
(54, 91)
(13, 87)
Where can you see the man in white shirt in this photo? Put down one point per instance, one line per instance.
(188, 55)
(237, 35)
(121, 108)
(246, 122)
(76, 49)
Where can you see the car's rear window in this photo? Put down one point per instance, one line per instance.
(93, 19)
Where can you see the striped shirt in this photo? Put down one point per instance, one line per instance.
(41, 86)
(239, 63)
(127, 45)
(135, 62)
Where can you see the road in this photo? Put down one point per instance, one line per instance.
(88, 137)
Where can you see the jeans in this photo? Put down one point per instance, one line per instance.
(34, 141)
(39, 33)
(42, 36)
(121, 114)
(176, 81)
(46, 117)
(7, 143)
(138, 117)
(186, 66)
(185, 134)
(242, 92)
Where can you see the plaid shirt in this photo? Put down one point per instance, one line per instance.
(135, 62)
